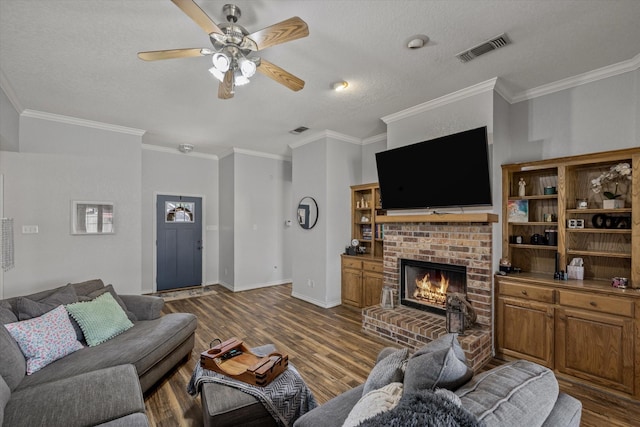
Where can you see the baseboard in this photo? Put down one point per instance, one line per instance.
(319, 303)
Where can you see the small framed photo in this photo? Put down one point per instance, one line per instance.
(92, 217)
(518, 210)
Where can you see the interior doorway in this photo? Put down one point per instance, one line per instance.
(179, 242)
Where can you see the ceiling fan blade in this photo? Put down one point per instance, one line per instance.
(156, 55)
(282, 32)
(225, 89)
(194, 12)
(281, 76)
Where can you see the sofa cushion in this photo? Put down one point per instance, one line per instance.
(109, 288)
(144, 345)
(6, 314)
(5, 395)
(14, 366)
(45, 339)
(516, 393)
(88, 286)
(100, 319)
(388, 370)
(332, 413)
(29, 308)
(79, 400)
(441, 365)
(373, 403)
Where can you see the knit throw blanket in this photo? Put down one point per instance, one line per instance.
(286, 398)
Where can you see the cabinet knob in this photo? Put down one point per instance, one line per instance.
(593, 304)
(524, 292)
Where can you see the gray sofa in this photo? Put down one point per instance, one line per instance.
(100, 385)
(435, 382)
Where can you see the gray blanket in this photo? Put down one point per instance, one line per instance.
(424, 409)
(286, 398)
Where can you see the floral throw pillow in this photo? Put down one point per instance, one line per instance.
(45, 339)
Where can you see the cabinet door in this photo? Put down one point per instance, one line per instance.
(372, 287)
(596, 347)
(352, 287)
(524, 329)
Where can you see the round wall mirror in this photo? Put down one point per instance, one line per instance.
(307, 213)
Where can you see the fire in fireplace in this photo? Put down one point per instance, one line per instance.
(424, 285)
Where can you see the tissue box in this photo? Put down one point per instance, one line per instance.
(575, 272)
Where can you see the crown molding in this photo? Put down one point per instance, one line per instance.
(376, 138)
(326, 134)
(260, 154)
(81, 122)
(11, 94)
(168, 150)
(584, 78)
(443, 100)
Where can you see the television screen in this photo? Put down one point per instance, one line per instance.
(450, 171)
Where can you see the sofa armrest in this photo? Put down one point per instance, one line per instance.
(145, 307)
(332, 413)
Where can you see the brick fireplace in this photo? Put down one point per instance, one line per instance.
(467, 244)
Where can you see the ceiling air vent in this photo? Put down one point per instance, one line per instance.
(298, 130)
(493, 44)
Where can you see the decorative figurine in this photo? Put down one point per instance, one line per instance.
(522, 187)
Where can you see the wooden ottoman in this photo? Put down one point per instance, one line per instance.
(224, 406)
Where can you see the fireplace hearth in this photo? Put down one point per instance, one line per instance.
(424, 285)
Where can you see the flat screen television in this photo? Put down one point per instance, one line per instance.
(451, 171)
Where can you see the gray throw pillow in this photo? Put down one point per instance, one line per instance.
(6, 314)
(386, 371)
(444, 342)
(441, 368)
(109, 288)
(28, 308)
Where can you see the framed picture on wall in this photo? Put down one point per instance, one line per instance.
(518, 210)
(92, 217)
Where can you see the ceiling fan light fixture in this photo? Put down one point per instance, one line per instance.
(217, 73)
(339, 86)
(240, 79)
(221, 62)
(247, 67)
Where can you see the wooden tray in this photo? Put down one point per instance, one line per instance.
(245, 367)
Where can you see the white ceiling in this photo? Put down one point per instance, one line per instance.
(78, 58)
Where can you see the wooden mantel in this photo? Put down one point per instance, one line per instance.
(472, 217)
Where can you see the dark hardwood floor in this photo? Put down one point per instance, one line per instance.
(327, 347)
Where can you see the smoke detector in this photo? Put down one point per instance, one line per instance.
(495, 43)
(185, 148)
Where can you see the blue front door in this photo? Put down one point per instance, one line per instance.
(179, 244)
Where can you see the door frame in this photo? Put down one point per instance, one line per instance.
(155, 233)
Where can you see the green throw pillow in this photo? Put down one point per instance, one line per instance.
(100, 319)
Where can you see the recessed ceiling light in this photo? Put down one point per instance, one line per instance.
(418, 41)
(338, 86)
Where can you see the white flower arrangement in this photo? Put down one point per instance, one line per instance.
(617, 174)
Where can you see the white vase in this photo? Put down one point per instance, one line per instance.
(612, 204)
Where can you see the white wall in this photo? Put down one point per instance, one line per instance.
(60, 162)
(186, 175)
(323, 169)
(599, 116)
(262, 200)
(226, 212)
(369, 168)
(9, 124)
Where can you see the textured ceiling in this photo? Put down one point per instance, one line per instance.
(78, 58)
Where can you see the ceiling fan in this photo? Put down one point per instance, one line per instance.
(233, 64)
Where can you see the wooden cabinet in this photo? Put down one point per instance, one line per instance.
(557, 191)
(362, 277)
(525, 316)
(579, 329)
(365, 205)
(585, 330)
(361, 281)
